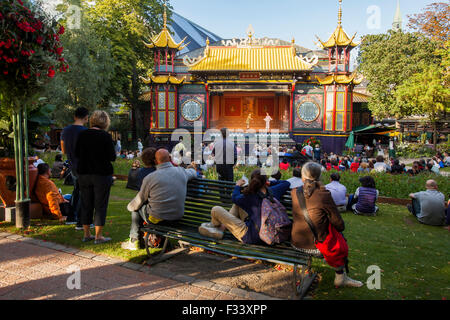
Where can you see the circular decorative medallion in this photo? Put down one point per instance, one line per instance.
(191, 110)
(308, 111)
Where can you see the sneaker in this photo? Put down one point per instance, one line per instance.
(102, 240)
(210, 232)
(130, 245)
(208, 225)
(81, 227)
(342, 280)
(86, 239)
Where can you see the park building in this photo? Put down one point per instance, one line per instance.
(237, 83)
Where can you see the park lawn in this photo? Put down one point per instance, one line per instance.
(413, 257)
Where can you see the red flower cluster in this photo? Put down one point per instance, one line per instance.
(20, 65)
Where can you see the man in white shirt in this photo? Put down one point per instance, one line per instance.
(338, 192)
(308, 150)
(428, 206)
(296, 181)
(380, 166)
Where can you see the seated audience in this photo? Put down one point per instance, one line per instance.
(446, 159)
(276, 176)
(365, 197)
(244, 218)
(338, 192)
(355, 164)
(57, 167)
(396, 167)
(296, 181)
(428, 206)
(48, 194)
(363, 167)
(322, 211)
(160, 198)
(148, 159)
(133, 176)
(380, 166)
(284, 165)
(414, 170)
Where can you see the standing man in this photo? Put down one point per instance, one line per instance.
(118, 146)
(249, 118)
(225, 153)
(69, 137)
(140, 145)
(267, 119)
(308, 150)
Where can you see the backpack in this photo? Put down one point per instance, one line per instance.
(275, 223)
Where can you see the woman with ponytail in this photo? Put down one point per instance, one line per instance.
(316, 220)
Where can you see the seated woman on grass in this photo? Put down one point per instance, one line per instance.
(244, 218)
(364, 199)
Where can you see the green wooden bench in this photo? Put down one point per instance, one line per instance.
(202, 196)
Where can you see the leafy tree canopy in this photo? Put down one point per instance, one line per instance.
(390, 60)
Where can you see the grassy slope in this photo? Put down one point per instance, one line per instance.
(414, 257)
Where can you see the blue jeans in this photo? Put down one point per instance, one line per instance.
(75, 201)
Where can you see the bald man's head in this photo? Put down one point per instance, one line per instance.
(431, 184)
(162, 156)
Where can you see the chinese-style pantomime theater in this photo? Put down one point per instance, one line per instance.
(236, 83)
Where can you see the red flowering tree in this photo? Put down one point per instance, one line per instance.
(30, 50)
(30, 54)
(313, 141)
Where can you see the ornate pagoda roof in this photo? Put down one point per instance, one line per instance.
(339, 38)
(164, 38)
(340, 79)
(163, 79)
(250, 56)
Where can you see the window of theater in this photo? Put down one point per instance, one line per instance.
(166, 118)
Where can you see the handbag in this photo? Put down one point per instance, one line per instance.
(334, 248)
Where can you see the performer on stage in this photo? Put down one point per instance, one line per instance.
(267, 119)
(249, 118)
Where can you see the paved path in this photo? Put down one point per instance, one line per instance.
(34, 269)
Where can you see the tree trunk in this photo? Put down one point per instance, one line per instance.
(434, 136)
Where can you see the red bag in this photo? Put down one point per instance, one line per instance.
(334, 248)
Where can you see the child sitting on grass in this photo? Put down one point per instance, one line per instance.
(364, 199)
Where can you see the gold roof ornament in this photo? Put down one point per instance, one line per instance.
(163, 80)
(339, 38)
(164, 39)
(340, 79)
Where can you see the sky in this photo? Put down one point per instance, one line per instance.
(299, 19)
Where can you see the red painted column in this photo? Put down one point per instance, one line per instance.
(156, 106)
(334, 107)
(173, 60)
(291, 107)
(345, 108)
(207, 105)
(351, 111)
(167, 62)
(151, 108)
(176, 107)
(325, 108)
(159, 60)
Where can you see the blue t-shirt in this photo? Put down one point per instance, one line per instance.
(69, 136)
(252, 205)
